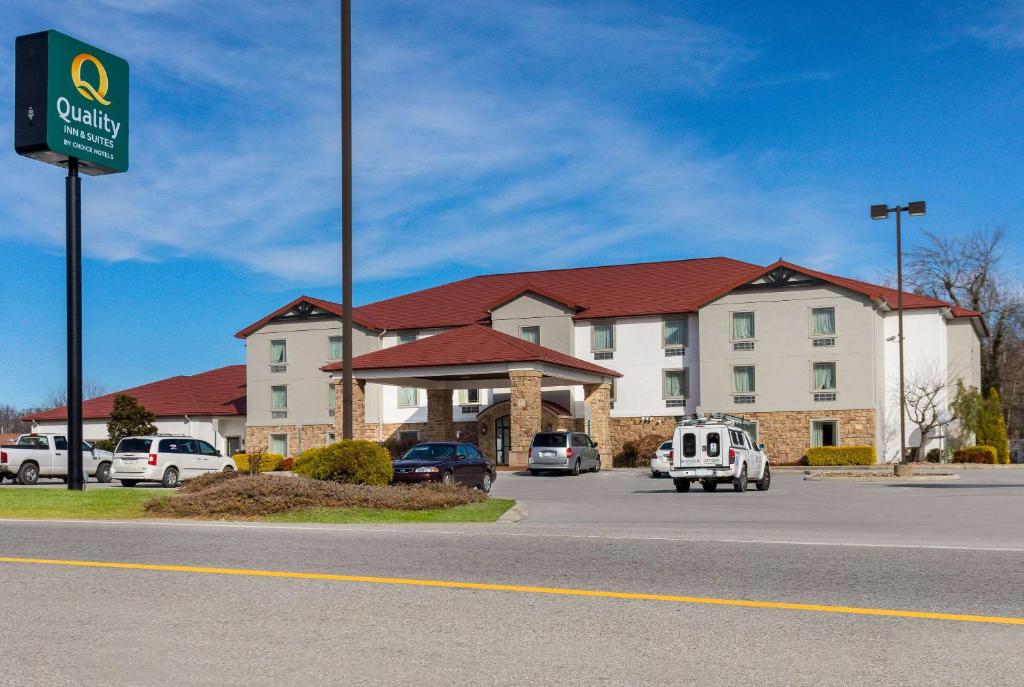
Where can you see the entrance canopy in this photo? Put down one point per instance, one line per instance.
(471, 357)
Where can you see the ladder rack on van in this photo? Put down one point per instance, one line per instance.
(712, 418)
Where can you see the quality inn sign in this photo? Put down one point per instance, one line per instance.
(70, 101)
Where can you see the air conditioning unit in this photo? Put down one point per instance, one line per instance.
(830, 341)
(742, 345)
(744, 399)
(674, 351)
(825, 396)
(604, 355)
(278, 368)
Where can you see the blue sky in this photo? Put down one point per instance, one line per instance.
(492, 136)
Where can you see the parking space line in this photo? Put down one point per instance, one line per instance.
(559, 591)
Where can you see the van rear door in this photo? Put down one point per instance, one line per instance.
(711, 446)
(686, 448)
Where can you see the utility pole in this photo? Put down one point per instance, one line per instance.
(346, 216)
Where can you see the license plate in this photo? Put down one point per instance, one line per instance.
(127, 460)
(547, 453)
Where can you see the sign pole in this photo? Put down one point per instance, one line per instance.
(73, 202)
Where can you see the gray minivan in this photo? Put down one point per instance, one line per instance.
(571, 452)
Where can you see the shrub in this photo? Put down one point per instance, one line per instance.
(104, 445)
(841, 455)
(268, 461)
(245, 496)
(397, 447)
(976, 454)
(638, 452)
(352, 460)
(934, 456)
(991, 426)
(285, 465)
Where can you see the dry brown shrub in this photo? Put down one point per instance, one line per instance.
(245, 496)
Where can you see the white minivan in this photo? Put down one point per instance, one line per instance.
(165, 459)
(716, 450)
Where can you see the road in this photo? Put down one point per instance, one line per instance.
(77, 625)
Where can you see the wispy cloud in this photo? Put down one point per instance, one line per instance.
(492, 134)
(1003, 27)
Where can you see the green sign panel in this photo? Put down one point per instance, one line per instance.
(71, 100)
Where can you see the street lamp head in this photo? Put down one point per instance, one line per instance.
(916, 209)
(879, 211)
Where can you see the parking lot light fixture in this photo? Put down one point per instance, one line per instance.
(914, 209)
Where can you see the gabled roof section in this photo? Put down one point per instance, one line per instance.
(783, 273)
(543, 293)
(468, 345)
(306, 306)
(219, 392)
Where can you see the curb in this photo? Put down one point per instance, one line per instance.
(516, 513)
(845, 477)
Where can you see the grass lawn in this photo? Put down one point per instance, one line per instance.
(123, 504)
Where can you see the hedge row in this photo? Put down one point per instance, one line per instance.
(976, 454)
(841, 455)
(270, 462)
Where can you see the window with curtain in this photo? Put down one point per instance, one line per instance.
(824, 376)
(674, 383)
(332, 397)
(279, 398)
(673, 333)
(824, 433)
(531, 334)
(469, 396)
(823, 321)
(743, 379)
(603, 337)
(278, 352)
(408, 396)
(742, 325)
(278, 444)
(408, 337)
(334, 348)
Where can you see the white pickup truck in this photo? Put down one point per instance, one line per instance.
(33, 456)
(717, 450)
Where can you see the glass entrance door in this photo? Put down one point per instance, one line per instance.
(502, 438)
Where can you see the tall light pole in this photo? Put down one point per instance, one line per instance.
(346, 217)
(915, 209)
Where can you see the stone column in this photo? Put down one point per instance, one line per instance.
(440, 423)
(598, 399)
(525, 410)
(358, 408)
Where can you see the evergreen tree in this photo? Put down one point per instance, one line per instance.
(129, 418)
(991, 426)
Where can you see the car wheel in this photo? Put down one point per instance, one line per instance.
(447, 478)
(576, 468)
(28, 474)
(485, 485)
(709, 485)
(534, 472)
(682, 485)
(170, 479)
(129, 482)
(103, 473)
(597, 465)
(740, 483)
(655, 474)
(765, 481)
(228, 468)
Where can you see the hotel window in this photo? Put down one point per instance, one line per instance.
(279, 401)
(331, 438)
(332, 395)
(531, 334)
(742, 326)
(602, 341)
(823, 322)
(673, 333)
(469, 396)
(743, 379)
(823, 376)
(408, 337)
(675, 384)
(278, 352)
(407, 436)
(824, 433)
(334, 348)
(408, 397)
(278, 444)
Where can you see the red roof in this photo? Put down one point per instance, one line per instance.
(329, 306)
(468, 345)
(544, 293)
(219, 392)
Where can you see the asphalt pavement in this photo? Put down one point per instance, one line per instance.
(841, 547)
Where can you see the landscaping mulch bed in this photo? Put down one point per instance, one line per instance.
(879, 476)
(244, 496)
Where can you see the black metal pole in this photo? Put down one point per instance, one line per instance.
(346, 216)
(899, 307)
(73, 202)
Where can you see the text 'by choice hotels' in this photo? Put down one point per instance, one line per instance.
(93, 118)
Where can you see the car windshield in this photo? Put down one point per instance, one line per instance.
(134, 446)
(550, 440)
(430, 452)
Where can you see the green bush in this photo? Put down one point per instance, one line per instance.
(104, 445)
(841, 455)
(934, 456)
(269, 462)
(353, 460)
(976, 454)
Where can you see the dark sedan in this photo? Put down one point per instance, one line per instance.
(446, 462)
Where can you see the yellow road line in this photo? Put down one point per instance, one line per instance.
(561, 591)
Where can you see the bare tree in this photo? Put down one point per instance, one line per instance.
(10, 422)
(58, 398)
(927, 393)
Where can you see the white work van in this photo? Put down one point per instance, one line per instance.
(714, 450)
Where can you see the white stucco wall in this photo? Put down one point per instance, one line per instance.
(209, 429)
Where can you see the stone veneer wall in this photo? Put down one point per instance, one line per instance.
(525, 411)
(598, 399)
(258, 437)
(787, 434)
